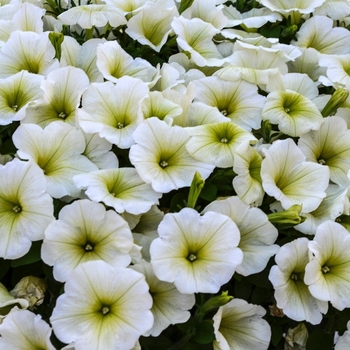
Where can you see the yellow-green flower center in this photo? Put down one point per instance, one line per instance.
(120, 125)
(15, 108)
(224, 112)
(224, 140)
(294, 277)
(62, 115)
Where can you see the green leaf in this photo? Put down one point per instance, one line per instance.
(31, 257)
(178, 202)
(4, 267)
(276, 334)
(243, 289)
(204, 333)
(209, 192)
(319, 340)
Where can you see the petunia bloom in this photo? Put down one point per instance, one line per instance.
(25, 207)
(196, 253)
(103, 307)
(85, 231)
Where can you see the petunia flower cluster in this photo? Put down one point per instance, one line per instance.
(174, 174)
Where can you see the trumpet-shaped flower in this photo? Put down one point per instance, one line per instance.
(207, 11)
(294, 113)
(329, 146)
(22, 329)
(195, 36)
(160, 156)
(247, 166)
(337, 69)
(330, 208)
(291, 293)
(216, 143)
(58, 151)
(239, 325)
(25, 207)
(328, 272)
(152, 25)
(318, 33)
(256, 66)
(63, 89)
(123, 189)
(85, 231)
(238, 100)
(291, 179)
(335, 9)
(103, 307)
(255, 18)
(286, 7)
(156, 105)
(16, 93)
(83, 57)
(257, 233)
(88, 16)
(197, 253)
(17, 54)
(98, 151)
(119, 113)
(114, 63)
(169, 305)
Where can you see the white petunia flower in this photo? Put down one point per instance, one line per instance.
(197, 253)
(16, 93)
(25, 207)
(156, 105)
(287, 7)
(98, 151)
(330, 147)
(289, 178)
(335, 9)
(22, 329)
(152, 25)
(207, 11)
(85, 231)
(88, 16)
(216, 143)
(330, 208)
(83, 57)
(58, 151)
(237, 100)
(160, 156)
(337, 69)
(247, 165)
(103, 307)
(17, 54)
(123, 189)
(318, 33)
(119, 111)
(63, 89)
(256, 66)
(328, 272)
(169, 305)
(294, 113)
(114, 63)
(291, 292)
(254, 18)
(195, 36)
(239, 325)
(257, 233)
